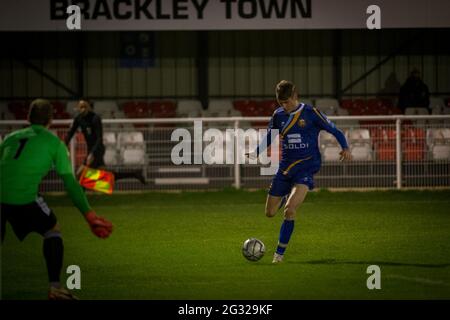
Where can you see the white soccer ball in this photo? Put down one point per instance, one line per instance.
(253, 249)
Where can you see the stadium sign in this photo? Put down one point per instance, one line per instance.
(115, 15)
(230, 146)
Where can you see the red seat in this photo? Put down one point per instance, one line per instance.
(136, 109)
(19, 109)
(385, 151)
(413, 151)
(163, 109)
(414, 144)
(413, 134)
(346, 104)
(242, 105)
(58, 108)
(267, 107)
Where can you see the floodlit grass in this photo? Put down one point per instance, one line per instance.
(188, 246)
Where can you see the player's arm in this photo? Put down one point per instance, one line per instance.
(72, 131)
(324, 123)
(266, 141)
(99, 226)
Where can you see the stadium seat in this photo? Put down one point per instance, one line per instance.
(346, 124)
(438, 136)
(130, 156)
(385, 151)
(384, 141)
(19, 109)
(438, 106)
(266, 107)
(189, 108)
(361, 151)
(220, 105)
(327, 106)
(105, 108)
(438, 140)
(440, 152)
(130, 138)
(5, 114)
(413, 134)
(58, 107)
(413, 151)
(111, 156)
(242, 105)
(327, 139)
(346, 104)
(359, 107)
(342, 112)
(71, 107)
(110, 142)
(436, 102)
(331, 153)
(359, 136)
(163, 109)
(413, 144)
(132, 148)
(416, 111)
(136, 109)
(109, 139)
(394, 110)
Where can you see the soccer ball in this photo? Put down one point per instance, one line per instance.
(253, 249)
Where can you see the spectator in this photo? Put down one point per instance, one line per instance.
(414, 92)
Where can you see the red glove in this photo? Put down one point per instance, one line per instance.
(101, 227)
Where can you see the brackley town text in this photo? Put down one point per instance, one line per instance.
(181, 9)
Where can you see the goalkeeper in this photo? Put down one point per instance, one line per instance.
(299, 126)
(26, 156)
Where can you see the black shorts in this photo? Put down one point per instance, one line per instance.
(31, 217)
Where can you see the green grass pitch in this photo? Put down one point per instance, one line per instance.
(188, 246)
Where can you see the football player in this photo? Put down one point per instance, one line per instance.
(26, 156)
(299, 125)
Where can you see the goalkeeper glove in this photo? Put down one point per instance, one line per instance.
(101, 227)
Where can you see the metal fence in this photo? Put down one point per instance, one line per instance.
(389, 152)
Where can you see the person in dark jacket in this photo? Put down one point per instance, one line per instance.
(414, 92)
(92, 129)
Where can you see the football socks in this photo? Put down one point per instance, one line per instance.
(285, 234)
(53, 252)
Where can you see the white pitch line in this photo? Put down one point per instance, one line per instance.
(418, 280)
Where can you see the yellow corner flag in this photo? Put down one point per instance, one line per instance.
(98, 180)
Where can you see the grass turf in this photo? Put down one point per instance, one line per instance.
(188, 246)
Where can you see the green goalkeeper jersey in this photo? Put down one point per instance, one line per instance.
(26, 157)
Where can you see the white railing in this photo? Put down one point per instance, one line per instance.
(357, 173)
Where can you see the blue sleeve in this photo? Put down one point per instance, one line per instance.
(268, 137)
(324, 123)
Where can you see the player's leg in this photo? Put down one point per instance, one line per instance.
(279, 189)
(44, 222)
(272, 205)
(294, 201)
(53, 249)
